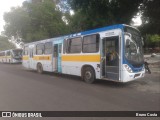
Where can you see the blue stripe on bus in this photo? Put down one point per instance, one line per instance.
(103, 29)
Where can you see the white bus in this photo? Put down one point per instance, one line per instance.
(11, 56)
(109, 53)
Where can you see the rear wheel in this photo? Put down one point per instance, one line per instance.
(89, 75)
(39, 68)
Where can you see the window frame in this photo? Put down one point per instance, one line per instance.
(67, 45)
(40, 49)
(50, 48)
(97, 49)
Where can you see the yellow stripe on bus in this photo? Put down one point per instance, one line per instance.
(25, 57)
(42, 58)
(8, 56)
(81, 58)
(2, 57)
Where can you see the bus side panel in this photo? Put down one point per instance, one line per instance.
(45, 60)
(5, 59)
(74, 68)
(2, 59)
(73, 64)
(8, 59)
(33, 63)
(25, 61)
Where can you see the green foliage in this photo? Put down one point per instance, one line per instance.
(152, 40)
(5, 44)
(155, 38)
(16, 21)
(35, 21)
(42, 20)
(150, 17)
(91, 14)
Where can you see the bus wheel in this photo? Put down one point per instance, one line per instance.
(39, 68)
(89, 75)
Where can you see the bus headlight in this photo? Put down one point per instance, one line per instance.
(128, 68)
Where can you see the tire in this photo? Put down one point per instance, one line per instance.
(39, 68)
(89, 75)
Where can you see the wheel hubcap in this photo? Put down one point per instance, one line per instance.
(88, 75)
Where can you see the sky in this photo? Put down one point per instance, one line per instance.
(5, 6)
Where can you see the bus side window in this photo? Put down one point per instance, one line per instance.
(74, 45)
(91, 43)
(40, 49)
(48, 48)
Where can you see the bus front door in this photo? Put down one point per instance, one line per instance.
(57, 57)
(110, 55)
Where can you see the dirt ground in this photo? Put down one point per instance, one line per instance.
(154, 63)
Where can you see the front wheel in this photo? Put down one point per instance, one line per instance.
(39, 68)
(89, 75)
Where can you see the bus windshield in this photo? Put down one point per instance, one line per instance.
(133, 47)
(17, 53)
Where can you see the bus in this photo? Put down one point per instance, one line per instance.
(11, 56)
(110, 53)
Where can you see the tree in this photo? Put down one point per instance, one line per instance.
(35, 21)
(150, 11)
(5, 44)
(152, 41)
(91, 14)
(16, 22)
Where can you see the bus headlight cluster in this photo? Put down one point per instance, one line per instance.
(128, 68)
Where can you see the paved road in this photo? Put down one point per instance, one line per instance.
(22, 89)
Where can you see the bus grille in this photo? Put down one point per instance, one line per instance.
(136, 75)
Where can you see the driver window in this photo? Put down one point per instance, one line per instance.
(130, 49)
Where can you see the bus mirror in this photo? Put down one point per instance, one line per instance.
(128, 34)
(127, 43)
